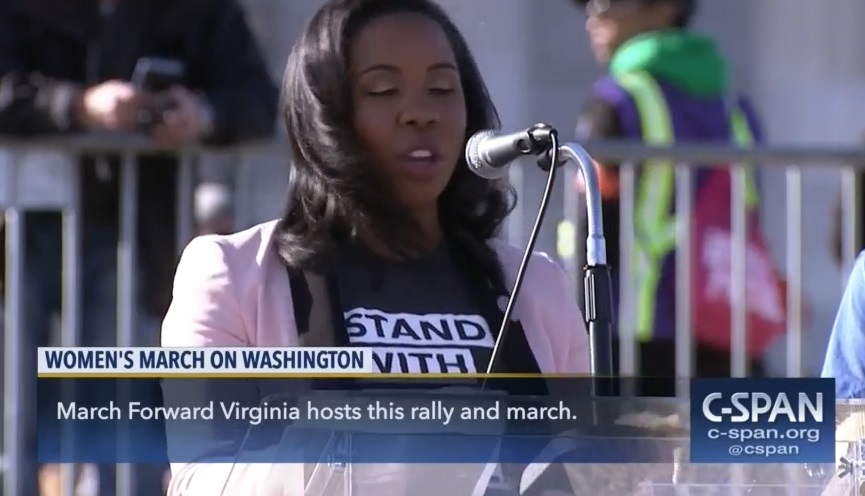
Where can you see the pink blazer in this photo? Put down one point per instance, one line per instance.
(233, 291)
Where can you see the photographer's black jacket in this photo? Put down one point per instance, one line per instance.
(48, 47)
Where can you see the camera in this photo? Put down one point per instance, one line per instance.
(153, 112)
(156, 76)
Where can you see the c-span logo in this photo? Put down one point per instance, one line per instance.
(763, 421)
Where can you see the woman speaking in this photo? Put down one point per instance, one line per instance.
(379, 98)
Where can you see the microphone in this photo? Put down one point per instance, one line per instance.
(489, 152)
(488, 155)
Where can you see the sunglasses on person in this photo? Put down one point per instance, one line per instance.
(607, 7)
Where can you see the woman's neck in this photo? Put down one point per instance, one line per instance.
(430, 230)
(430, 226)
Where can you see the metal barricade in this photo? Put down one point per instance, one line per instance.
(687, 157)
(15, 378)
(19, 196)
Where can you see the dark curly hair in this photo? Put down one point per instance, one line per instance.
(333, 195)
(686, 13)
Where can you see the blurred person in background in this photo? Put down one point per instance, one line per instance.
(845, 355)
(655, 61)
(66, 66)
(845, 362)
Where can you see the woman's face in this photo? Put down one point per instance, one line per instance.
(409, 108)
(610, 23)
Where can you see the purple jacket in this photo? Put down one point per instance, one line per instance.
(694, 120)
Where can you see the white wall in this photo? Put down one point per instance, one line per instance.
(798, 59)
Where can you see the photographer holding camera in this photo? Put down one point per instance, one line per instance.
(172, 119)
(178, 71)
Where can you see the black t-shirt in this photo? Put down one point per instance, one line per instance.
(418, 316)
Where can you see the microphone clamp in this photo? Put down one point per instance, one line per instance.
(540, 139)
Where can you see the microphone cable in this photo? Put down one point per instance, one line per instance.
(552, 156)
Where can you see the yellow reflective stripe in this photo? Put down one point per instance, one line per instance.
(743, 137)
(566, 234)
(655, 227)
(655, 230)
(657, 179)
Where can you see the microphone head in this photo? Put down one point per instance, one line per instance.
(476, 162)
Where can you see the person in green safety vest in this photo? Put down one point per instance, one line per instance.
(665, 83)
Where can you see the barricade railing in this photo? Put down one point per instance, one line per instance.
(25, 167)
(14, 201)
(686, 157)
(629, 156)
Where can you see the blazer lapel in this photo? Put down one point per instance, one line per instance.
(274, 312)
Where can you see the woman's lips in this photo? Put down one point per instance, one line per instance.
(421, 164)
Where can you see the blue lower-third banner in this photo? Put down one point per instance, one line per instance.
(406, 421)
(762, 421)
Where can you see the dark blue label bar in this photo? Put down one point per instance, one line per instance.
(406, 421)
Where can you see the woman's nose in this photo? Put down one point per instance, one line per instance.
(420, 113)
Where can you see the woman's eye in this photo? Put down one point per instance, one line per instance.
(441, 91)
(383, 92)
